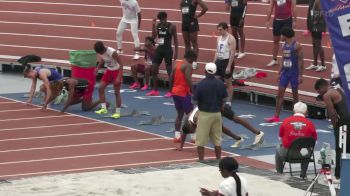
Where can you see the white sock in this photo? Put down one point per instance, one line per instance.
(228, 103)
(193, 136)
(177, 134)
(104, 106)
(117, 110)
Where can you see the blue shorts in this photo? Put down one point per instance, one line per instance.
(183, 103)
(287, 78)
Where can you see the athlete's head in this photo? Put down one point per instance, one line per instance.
(149, 41)
(99, 47)
(190, 56)
(222, 28)
(162, 17)
(321, 86)
(57, 87)
(287, 33)
(28, 72)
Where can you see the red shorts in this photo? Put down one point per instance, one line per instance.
(110, 76)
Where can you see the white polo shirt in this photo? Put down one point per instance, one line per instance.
(130, 10)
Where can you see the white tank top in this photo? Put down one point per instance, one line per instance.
(223, 49)
(110, 63)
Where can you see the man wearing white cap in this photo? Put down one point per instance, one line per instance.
(292, 128)
(210, 95)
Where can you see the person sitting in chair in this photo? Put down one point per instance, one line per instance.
(292, 128)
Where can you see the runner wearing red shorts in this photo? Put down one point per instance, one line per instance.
(112, 75)
(144, 68)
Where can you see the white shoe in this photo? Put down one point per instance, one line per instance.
(136, 56)
(120, 51)
(194, 65)
(312, 66)
(240, 75)
(320, 68)
(258, 138)
(240, 55)
(237, 143)
(272, 63)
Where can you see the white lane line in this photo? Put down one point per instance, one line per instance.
(80, 145)
(117, 17)
(9, 102)
(143, 31)
(92, 155)
(101, 167)
(51, 126)
(19, 110)
(33, 118)
(66, 135)
(142, 8)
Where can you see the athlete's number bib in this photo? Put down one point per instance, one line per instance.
(281, 2)
(234, 3)
(185, 10)
(161, 41)
(287, 63)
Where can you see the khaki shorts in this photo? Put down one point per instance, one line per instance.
(209, 126)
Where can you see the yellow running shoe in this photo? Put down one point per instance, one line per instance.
(115, 115)
(101, 111)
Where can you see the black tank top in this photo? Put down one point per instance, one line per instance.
(164, 35)
(188, 11)
(236, 6)
(341, 108)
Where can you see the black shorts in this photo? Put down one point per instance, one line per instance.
(165, 53)
(316, 35)
(235, 19)
(279, 24)
(191, 26)
(221, 66)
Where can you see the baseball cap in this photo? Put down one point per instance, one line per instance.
(210, 68)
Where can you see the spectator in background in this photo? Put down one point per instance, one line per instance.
(292, 128)
(285, 16)
(144, 68)
(233, 185)
(210, 95)
(238, 9)
(318, 26)
(190, 26)
(132, 17)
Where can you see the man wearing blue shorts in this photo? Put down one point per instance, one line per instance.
(291, 70)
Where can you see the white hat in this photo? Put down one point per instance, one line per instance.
(300, 108)
(210, 68)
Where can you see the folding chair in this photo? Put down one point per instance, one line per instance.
(294, 155)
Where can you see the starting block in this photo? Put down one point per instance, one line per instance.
(157, 121)
(258, 146)
(133, 113)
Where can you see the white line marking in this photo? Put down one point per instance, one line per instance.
(101, 167)
(51, 126)
(19, 110)
(65, 135)
(7, 102)
(92, 155)
(79, 145)
(32, 118)
(142, 8)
